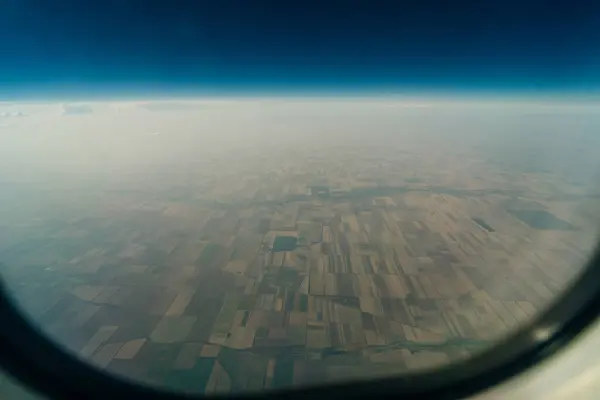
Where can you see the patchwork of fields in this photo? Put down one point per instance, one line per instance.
(279, 278)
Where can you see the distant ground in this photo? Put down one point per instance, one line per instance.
(290, 265)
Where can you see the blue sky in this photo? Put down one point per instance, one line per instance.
(104, 48)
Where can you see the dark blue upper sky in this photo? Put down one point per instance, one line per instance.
(124, 46)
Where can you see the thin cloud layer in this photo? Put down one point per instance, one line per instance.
(11, 114)
(170, 106)
(76, 109)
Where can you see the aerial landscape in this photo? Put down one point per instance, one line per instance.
(225, 246)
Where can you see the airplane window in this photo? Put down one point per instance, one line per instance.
(230, 240)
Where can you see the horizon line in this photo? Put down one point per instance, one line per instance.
(139, 92)
(417, 100)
